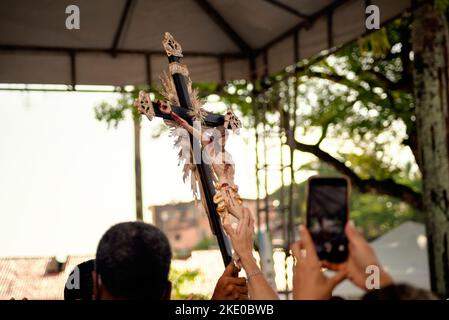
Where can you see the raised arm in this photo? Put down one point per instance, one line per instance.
(309, 281)
(242, 240)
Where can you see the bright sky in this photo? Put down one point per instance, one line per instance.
(65, 178)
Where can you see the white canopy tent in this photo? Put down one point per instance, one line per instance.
(119, 41)
(403, 253)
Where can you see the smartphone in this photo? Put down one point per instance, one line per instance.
(327, 214)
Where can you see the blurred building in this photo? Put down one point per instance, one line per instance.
(186, 224)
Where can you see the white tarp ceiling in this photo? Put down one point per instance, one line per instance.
(119, 41)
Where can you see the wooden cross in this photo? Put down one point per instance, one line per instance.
(183, 106)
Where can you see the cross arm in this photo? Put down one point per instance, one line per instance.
(211, 119)
(153, 108)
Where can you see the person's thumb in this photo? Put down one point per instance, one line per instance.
(230, 270)
(337, 278)
(352, 233)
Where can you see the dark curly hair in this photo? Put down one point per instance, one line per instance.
(133, 261)
(84, 292)
(399, 292)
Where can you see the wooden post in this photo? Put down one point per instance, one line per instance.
(137, 169)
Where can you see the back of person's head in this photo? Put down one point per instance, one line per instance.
(79, 283)
(399, 292)
(133, 261)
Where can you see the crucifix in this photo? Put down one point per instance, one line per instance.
(206, 161)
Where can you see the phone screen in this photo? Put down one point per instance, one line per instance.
(327, 214)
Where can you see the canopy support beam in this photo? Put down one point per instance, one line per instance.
(287, 8)
(148, 67)
(225, 27)
(73, 69)
(13, 48)
(123, 19)
(304, 24)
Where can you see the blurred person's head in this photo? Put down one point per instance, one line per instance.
(132, 262)
(79, 284)
(399, 292)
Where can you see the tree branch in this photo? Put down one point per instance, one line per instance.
(337, 79)
(324, 129)
(384, 187)
(385, 82)
(355, 85)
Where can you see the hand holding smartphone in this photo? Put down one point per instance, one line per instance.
(327, 215)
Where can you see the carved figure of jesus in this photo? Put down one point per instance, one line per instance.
(227, 197)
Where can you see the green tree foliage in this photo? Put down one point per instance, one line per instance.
(183, 279)
(206, 243)
(373, 214)
(114, 113)
(367, 86)
(361, 95)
